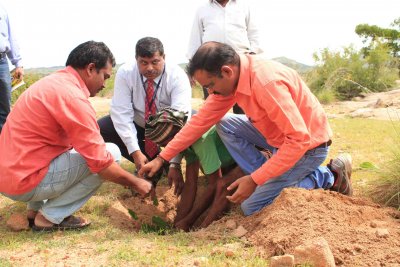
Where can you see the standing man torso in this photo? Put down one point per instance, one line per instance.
(228, 22)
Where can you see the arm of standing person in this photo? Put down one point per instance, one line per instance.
(122, 115)
(253, 32)
(13, 52)
(196, 36)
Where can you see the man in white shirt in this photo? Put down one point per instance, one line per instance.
(225, 21)
(8, 48)
(170, 87)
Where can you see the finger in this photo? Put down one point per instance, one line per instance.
(180, 190)
(169, 182)
(232, 199)
(233, 185)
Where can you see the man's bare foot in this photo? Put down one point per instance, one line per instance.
(41, 221)
(31, 214)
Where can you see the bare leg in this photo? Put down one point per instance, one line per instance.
(201, 204)
(221, 203)
(188, 192)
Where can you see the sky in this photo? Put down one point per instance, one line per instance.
(47, 30)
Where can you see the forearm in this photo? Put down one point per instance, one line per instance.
(114, 173)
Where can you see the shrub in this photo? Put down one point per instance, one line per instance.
(347, 73)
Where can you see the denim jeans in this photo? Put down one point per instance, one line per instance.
(5, 91)
(240, 138)
(67, 186)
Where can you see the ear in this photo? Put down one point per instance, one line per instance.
(226, 71)
(90, 68)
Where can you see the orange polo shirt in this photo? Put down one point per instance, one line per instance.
(280, 106)
(49, 118)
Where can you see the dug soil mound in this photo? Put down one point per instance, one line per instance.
(359, 232)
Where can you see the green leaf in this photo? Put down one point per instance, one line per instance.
(367, 165)
(155, 202)
(133, 214)
(160, 222)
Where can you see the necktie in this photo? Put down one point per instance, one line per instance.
(150, 147)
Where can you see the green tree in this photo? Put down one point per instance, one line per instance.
(345, 74)
(373, 33)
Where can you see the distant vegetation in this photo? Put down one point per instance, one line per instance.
(345, 74)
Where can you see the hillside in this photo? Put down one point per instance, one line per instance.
(299, 67)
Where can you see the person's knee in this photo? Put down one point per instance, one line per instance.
(247, 208)
(114, 150)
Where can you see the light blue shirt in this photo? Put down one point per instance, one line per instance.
(8, 43)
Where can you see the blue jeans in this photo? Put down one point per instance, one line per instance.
(5, 91)
(240, 138)
(67, 186)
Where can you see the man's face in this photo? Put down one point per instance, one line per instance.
(151, 67)
(97, 78)
(214, 84)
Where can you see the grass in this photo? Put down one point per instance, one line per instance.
(370, 142)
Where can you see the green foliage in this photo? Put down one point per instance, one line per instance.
(373, 33)
(158, 226)
(345, 74)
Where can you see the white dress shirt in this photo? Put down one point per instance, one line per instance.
(128, 102)
(8, 42)
(232, 25)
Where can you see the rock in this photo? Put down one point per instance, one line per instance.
(382, 233)
(18, 222)
(231, 224)
(315, 252)
(229, 253)
(282, 261)
(362, 113)
(373, 224)
(240, 231)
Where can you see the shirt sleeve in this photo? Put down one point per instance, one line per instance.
(13, 54)
(196, 36)
(206, 150)
(215, 107)
(122, 112)
(281, 109)
(78, 119)
(252, 32)
(181, 91)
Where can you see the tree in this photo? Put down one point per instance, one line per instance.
(373, 34)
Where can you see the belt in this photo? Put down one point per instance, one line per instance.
(323, 145)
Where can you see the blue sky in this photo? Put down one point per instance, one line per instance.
(49, 29)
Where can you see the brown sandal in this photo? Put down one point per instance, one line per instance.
(69, 223)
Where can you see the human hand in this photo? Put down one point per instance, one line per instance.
(142, 186)
(139, 158)
(175, 178)
(19, 72)
(245, 187)
(151, 168)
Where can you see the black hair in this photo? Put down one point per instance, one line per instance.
(211, 56)
(90, 52)
(148, 46)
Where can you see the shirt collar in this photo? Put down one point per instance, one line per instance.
(244, 83)
(156, 80)
(82, 84)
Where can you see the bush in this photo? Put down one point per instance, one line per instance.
(346, 74)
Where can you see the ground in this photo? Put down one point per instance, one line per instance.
(358, 231)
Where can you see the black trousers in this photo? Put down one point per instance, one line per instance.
(236, 108)
(110, 135)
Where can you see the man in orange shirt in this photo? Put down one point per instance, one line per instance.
(52, 155)
(282, 115)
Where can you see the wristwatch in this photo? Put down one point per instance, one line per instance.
(175, 165)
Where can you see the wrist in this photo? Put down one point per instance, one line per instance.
(161, 160)
(175, 165)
